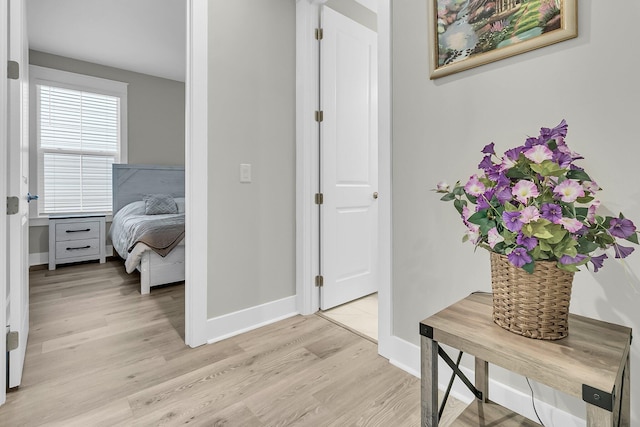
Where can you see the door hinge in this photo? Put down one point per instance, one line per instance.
(319, 198)
(13, 70)
(319, 116)
(13, 205)
(319, 281)
(12, 340)
(319, 33)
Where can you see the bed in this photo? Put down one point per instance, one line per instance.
(141, 194)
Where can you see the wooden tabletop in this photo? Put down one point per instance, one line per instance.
(594, 353)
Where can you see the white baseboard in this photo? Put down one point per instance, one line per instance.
(229, 325)
(42, 258)
(406, 356)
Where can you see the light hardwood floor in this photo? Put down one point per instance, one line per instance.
(99, 354)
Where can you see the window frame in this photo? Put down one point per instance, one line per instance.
(51, 77)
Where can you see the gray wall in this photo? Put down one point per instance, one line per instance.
(439, 128)
(251, 120)
(156, 114)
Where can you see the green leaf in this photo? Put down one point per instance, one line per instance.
(515, 172)
(544, 246)
(557, 232)
(509, 237)
(548, 168)
(580, 175)
(552, 144)
(458, 191)
(448, 197)
(633, 238)
(581, 213)
(584, 200)
(541, 228)
(566, 247)
(509, 207)
(529, 267)
(570, 267)
(586, 247)
(459, 204)
(478, 217)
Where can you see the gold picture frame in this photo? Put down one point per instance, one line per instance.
(464, 34)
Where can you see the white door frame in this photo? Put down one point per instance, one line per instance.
(307, 159)
(196, 163)
(3, 196)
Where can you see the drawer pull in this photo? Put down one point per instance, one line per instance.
(78, 231)
(78, 248)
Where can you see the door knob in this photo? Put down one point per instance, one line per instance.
(31, 197)
(375, 194)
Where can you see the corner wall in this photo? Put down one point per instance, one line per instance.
(439, 128)
(251, 120)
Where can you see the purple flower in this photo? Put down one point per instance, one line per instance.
(538, 154)
(597, 262)
(569, 190)
(524, 190)
(622, 251)
(493, 237)
(483, 201)
(527, 242)
(532, 142)
(622, 227)
(591, 211)
(558, 131)
(503, 195)
(519, 257)
(514, 153)
(488, 149)
(512, 221)
(572, 225)
(493, 173)
(551, 212)
(562, 159)
(503, 181)
(567, 260)
(486, 163)
(529, 214)
(474, 186)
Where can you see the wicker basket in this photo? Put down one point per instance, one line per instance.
(532, 305)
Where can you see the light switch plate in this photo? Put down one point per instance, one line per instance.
(245, 173)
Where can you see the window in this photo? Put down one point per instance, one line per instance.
(80, 131)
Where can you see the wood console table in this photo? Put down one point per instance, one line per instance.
(592, 363)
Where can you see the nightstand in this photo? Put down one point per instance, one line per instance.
(74, 238)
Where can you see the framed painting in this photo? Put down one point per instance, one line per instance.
(468, 33)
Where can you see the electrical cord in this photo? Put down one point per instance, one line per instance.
(533, 402)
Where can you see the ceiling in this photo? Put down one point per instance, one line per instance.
(145, 36)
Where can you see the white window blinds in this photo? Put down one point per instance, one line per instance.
(78, 140)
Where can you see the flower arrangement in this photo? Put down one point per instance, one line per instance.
(534, 203)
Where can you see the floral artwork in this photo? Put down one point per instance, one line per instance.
(465, 31)
(535, 203)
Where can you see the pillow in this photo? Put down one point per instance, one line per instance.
(156, 204)
(180, 203)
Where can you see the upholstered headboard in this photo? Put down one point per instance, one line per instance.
(132, 182)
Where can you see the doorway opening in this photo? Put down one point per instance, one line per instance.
(347, 222)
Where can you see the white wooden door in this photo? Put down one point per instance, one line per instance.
(349, 160)
(18, 185)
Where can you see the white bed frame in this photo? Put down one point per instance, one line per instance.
(131, 183)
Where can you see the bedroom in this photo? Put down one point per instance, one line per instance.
(581, 86)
